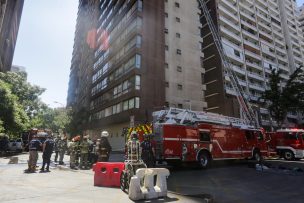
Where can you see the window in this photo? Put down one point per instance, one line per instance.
(179, 86)
(167, 84)
(125, 105)
(237, 53)
(180, 106)
(131, 104)
(166, 104)
(137, 82)
(166, 31)
(140, 5)
(177, 19)
(177, 35)
(290, 136)
(178, 51)
(166, 47)
(166, 65)
(137, 100)
(179, 69)
(205, 136)
(138, 61)
(166, 15)
(176, 5)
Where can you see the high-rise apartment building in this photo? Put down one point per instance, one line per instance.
(148, 55)
(10, 15)
(83, 55)
(258, 36)
(300, 13)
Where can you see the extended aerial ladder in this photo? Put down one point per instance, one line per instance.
(188, 117)
(246, 109)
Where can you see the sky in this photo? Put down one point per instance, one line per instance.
(45, 44)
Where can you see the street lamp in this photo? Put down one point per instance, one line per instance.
(62, 105)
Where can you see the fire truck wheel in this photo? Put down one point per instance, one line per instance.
(204, 160)
(288, 155)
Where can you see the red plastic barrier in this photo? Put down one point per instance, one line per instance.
(107, 174)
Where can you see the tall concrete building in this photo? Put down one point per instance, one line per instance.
(258, 36)
(300, 13)
(148, 55)
(10, 15)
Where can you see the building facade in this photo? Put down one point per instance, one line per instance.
(257, 36)
(300, 14)
(10, 15)
(148, 55)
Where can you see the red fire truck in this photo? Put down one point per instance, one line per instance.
(189, 136)
(287, 143)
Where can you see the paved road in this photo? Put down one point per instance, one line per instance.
(225, 182)
(60, 185)
(237, 182)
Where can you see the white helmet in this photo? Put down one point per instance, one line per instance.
(104, 134)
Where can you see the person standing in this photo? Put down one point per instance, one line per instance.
(47, 149)
(62, 147)
(103, 147)
(56, 141)
(84, 153)
(148, 151)
(34, 146)
(74, 150)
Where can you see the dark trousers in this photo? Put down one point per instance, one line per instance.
(46, 160)
(56, 155)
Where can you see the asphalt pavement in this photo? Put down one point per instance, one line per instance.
(61, 185)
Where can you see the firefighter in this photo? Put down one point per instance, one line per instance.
(103, 147)
(84, 153)
(74, 152)
(148, 151)
(34, 146)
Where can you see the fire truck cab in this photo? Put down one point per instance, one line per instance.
(288, 143)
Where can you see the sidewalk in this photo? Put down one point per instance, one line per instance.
(60, 185)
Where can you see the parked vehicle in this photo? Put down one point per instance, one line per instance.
(184, 136)
(15, 145)
(205, 142)
(287, 143)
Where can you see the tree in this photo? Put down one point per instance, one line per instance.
(12, 115)
(281, 100)
(26, 94)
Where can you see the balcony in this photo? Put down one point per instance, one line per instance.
(230, 91)
(254, 65)
(255, 76)
(239, 70)
(257, 87)
(253, 55)
(230, 34)
(228, 22)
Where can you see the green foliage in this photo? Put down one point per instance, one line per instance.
(281, 100)
(12, 115)
(27, 95)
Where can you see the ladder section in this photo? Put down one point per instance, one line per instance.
(184, 116)
(247, 110)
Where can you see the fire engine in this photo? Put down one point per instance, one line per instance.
(287, 143)
(192, 136)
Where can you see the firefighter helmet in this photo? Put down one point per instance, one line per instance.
(104, 134)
